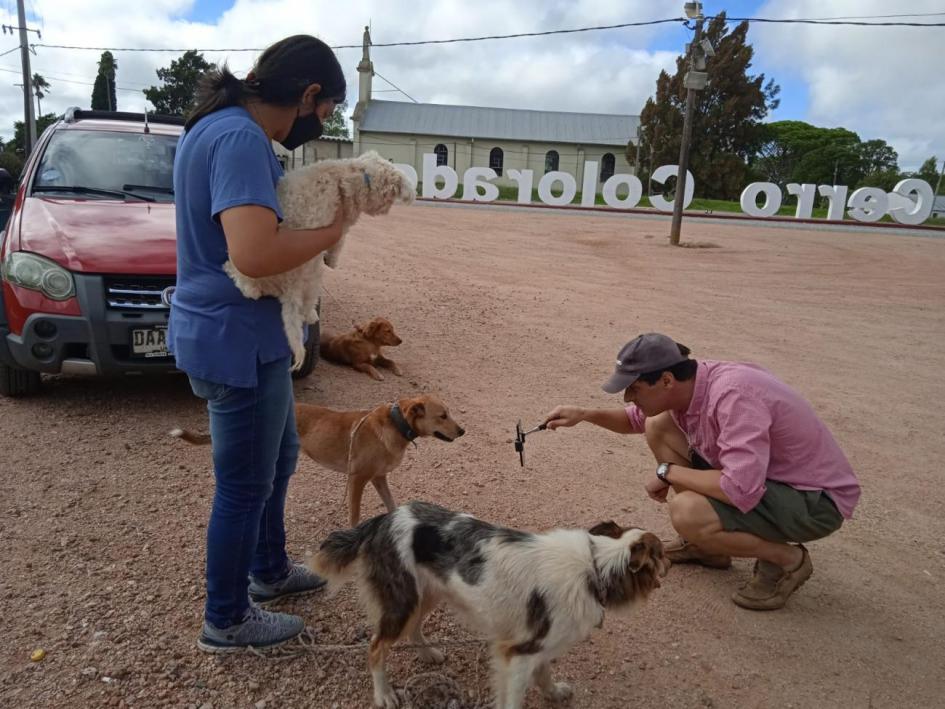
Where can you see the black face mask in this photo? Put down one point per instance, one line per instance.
(304, 129)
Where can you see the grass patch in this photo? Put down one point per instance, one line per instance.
(698, 205)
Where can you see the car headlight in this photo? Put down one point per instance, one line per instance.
(38, 273)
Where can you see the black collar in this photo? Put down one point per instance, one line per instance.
(397, 416)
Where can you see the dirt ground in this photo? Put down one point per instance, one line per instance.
(507, 313)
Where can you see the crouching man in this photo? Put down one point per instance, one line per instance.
(755, 472)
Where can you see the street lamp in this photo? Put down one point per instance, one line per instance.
(694, 80)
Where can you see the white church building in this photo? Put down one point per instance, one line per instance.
(476, 136)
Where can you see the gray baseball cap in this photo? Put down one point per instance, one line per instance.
(650, 352)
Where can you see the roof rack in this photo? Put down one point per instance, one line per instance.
(74, 113)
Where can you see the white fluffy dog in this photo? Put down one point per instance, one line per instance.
(309, 198)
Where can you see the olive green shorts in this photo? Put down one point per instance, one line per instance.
(784, 514)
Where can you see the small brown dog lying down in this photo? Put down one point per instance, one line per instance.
(532, 595)
(361, 348)
(368, 444)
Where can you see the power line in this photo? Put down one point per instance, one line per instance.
(545, 33)
(398, 88)
(68, 81)
(875, 17)
(797, 21)
(60, 74)
(768, 20)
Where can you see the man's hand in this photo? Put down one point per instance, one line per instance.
(564, 416)
(656, 489)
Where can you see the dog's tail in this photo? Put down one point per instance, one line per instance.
(196, 439)
(337, 557)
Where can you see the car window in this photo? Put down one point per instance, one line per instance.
(109, 160)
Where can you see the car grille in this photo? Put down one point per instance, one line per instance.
(136, 292)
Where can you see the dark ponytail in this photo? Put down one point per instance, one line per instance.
(280, 77)
(218, 88)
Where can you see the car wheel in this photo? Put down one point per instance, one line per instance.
(311, 352)
(15, 381)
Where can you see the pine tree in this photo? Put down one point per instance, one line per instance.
(104, 93)
(726, 127)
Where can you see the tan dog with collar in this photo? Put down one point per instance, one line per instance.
(368, 444)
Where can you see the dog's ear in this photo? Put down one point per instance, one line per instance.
(606, 529)
(645, 548)
(415, 410)
(372, 329)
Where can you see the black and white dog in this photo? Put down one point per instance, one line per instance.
(532, 595)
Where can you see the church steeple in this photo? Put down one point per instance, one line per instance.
(365, 69)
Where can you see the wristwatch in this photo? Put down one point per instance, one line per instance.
(662, 470)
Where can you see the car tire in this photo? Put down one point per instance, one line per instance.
(311, 352)
(16, 382)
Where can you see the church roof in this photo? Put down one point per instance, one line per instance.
(498, 123)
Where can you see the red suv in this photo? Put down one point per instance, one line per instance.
(88, 257)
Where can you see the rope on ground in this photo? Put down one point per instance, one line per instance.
(427, 690)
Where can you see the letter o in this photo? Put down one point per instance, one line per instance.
(749, 200)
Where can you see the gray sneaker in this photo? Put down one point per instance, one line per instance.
(260, 628)
(299, 581)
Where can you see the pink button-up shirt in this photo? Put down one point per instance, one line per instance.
(753, 427)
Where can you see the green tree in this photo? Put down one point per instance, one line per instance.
(181, 78)
(18, 144)
(878, 156)
(884, 179)
(726, 128)
(928, 171)
(794, 151)
(12, 162)
(104, 93)
(40, 89)
(336, 124)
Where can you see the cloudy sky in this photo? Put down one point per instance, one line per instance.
(880, 82)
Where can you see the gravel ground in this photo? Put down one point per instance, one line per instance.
(505, 314)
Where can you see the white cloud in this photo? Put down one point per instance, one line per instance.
(883, 82)
(601, 71)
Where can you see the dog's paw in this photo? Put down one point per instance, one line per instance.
(396, 370)
(560, 692)
(387, 699)
(377, 376)
(431, 655)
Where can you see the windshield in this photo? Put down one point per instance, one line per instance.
(113, 163)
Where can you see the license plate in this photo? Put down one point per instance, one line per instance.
(149, 342)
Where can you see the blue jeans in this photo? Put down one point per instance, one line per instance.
(255, 449)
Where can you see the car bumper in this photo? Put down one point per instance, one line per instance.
(99, 342)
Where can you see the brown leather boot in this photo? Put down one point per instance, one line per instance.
(680, 551)
(770, 585)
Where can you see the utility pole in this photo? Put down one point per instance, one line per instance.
(938, 185)
(29, 118)
(695, 80)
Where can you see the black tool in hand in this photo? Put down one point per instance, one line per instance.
(520, 438)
